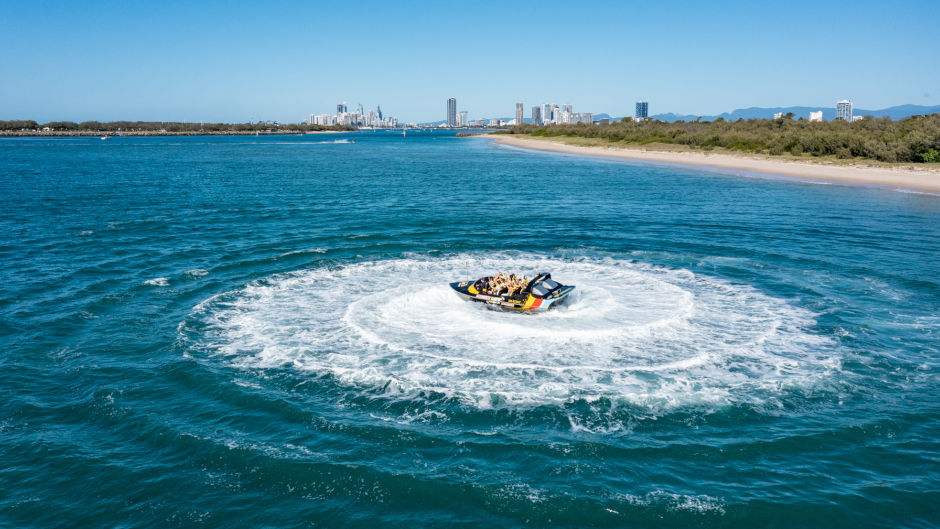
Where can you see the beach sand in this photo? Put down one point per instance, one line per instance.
(923, 179)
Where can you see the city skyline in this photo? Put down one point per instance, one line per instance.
(554, 114)
(196, 62)
(374, 118)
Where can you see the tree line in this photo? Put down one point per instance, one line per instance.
(914, 139)
(161, 126)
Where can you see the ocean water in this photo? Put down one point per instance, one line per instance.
(258, 332)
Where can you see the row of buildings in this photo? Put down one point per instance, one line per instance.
(552, 114)
(359, 118)
(545, 114)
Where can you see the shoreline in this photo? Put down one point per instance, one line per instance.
(899, 177)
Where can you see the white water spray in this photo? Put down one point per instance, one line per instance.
(631, 332)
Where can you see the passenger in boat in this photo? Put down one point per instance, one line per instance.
(492, 285)
(504, 284)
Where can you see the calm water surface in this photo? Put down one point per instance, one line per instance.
(247, 332)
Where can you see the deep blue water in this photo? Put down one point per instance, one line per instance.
(248, 332)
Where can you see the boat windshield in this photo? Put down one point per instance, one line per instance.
(549, 284)
(539, 290)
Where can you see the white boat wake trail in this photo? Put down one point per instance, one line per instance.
(631, 332)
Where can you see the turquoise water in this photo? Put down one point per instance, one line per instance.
(248, 332)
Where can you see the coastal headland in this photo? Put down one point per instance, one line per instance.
(72, 133)
(28, 127)
(923, 177)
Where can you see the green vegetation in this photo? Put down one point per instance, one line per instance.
(158, 127)
(914, 139)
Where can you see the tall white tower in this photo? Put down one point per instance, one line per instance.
(844, 110)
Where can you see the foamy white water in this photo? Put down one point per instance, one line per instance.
(631, 332)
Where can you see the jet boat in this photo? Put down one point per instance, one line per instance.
(539, 294)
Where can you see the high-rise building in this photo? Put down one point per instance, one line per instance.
(378, 109)
(546, 113)
(452, 112)
(587, 117)
(642, 110)
(341, 108)
(519, 113)
(462, 120)
(536, 115)
(844, 110)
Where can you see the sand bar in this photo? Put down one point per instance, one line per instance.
(908, 177)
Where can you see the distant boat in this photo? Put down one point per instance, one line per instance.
(403, 133)
(104, 137)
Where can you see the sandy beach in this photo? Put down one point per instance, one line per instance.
(923, 179)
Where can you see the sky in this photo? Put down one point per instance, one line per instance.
(281, 61)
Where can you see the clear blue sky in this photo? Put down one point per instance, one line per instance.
(212, 61)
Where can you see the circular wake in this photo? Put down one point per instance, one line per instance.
(631, 332)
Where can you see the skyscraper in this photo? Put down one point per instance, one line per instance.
(519, 113)
(341, 108)
(642, 110)
(452, 112)
(546, 113)
(536, 115)
(378, 109)
(844, 110)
